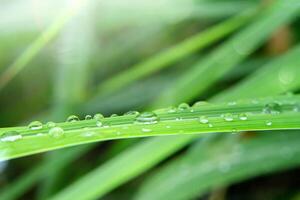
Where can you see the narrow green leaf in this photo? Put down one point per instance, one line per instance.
(158, 123)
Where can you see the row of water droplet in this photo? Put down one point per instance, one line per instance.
(141, 118)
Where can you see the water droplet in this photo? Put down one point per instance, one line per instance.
(268, 123)
(132, 113)
(98, 116)
(172, 109)
(99, 123)
(88, 117)
(146, 130)
(183, 106)
(228, 117)
(114, 115)
(272, 108)
(72, 118)
(210, 125)
(50, 124)
(168, 126)
(147, 118)
(10, 136)
(232, 103)
(243, 116)
(56, 132)
(203, 119)
(88, 133)
(200, 103)
(35, 125)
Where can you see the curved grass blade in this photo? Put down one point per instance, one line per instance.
(179, 51)
(39, 44)
(159, 123)
(219, 161)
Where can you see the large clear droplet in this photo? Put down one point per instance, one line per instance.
(56, 132)
(88, 117)
(50, 124)
(10, 136)
(130, 113)
(35, 125)
(203, 119)
(228, 117)
(272, 108)
(268, 123)
(243, 116)
(200, 103)
(183, 106)
(147, 118)
(172, 109)
(72, 118)
(98, 116)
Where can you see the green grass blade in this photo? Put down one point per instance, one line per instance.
(219, 161)
(38, 44)
(221, 61)
(172, 55)
(170, 123)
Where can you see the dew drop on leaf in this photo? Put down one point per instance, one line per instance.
(35, 125)
(88, 117)
(10, 136)
(130, 113)
(171, 109)
(243, 116)
(183, 106)
(146, 130)
(203, 119)
(72, 118)
(272, 108)
(228, 117)
(268, 123)
(98, 116)
(114, 115)
(147, 118)
(50, 124)
(98, 123)
(56, 132)
(200, 103)
(232, 103)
